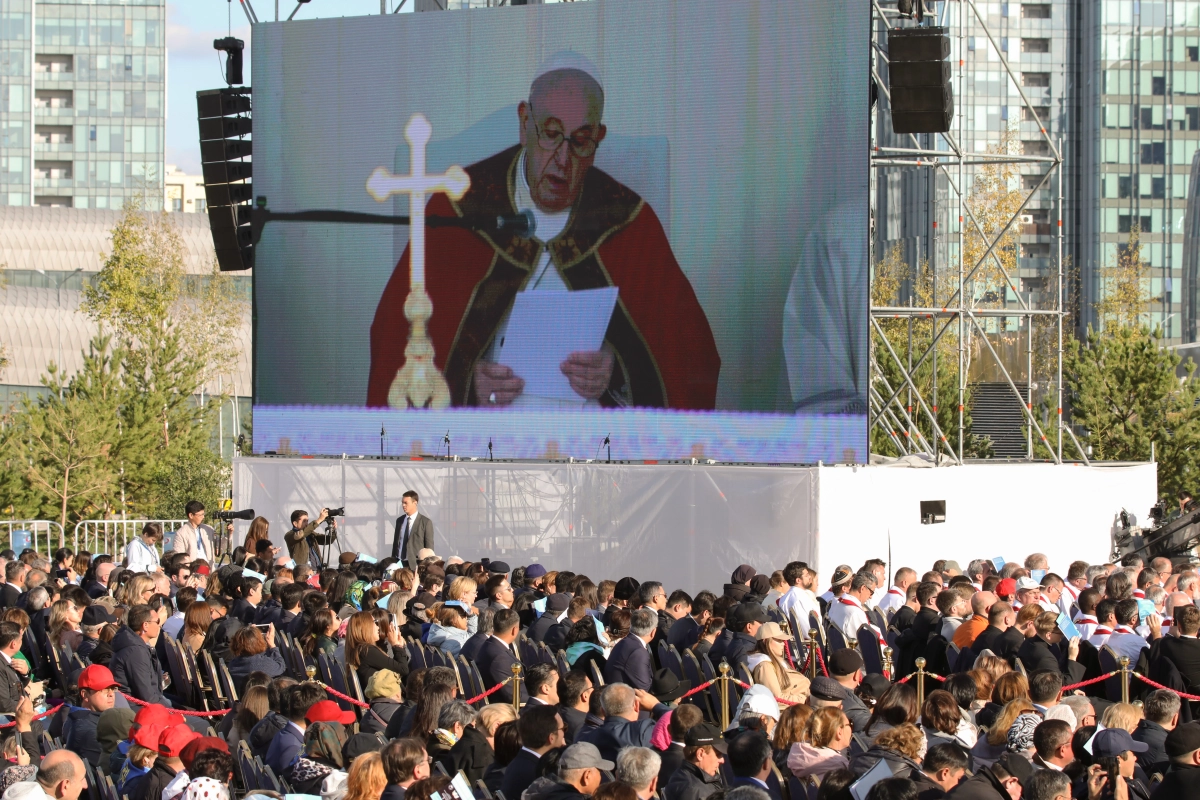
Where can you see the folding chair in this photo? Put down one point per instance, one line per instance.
(1108, 663)
(597, 678)
(482, 792)
(869, 649)
(416, 655)
(212, 678)
(674, 662)
(332, 674)
(560, 661)
(226, 682)
(691, 670)
(836, 640)
(243, 767)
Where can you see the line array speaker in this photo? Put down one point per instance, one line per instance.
(225, 149)
(919, 79)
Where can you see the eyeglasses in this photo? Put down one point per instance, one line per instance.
(582, 144)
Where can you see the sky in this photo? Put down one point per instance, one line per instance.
(193, 65)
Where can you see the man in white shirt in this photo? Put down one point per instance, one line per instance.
(194, 537)
(1074, 585)
(1124, 640)
(895, 596)
(1028, 591)
(1086, 620)
(1106, 623)
(141, 554)
(841, 579)
(799, 601)
(847, 612)
(1052, 592)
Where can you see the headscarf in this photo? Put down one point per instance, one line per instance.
(205, 789)
(16, 773)
(354, 594)
(323, 742)
(1020, 735)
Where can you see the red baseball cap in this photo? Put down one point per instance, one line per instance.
(329, 711)
(154, 714)
(203, 569)
(188, 754)
(172, 740)
(147, 736)
(97, 677)
(1006, 587)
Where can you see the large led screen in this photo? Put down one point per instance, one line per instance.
(646, 222)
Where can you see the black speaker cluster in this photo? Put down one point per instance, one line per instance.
(225, 160)
(919, 78)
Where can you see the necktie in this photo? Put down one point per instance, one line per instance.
(404, 538)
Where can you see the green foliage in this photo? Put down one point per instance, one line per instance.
(127, 433)
(1126, 395)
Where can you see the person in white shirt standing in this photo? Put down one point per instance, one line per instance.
(799, 601)
(1124, 640)
(1086, 620)
(848, 612)
(141, 554)
(894, 599)
(1106, 623)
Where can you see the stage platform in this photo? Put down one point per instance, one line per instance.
(689, 525)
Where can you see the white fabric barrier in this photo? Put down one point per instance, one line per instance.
(690, 525)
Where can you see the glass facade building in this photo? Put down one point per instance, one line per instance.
(82, 102)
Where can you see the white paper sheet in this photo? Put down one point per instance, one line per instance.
(546, 327)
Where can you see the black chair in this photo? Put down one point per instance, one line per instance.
(482, 792)
(416, 655)
(714, 691)
(597, 678)
(691, 671)
(333, 675)
(243, 767)
(560, 661)
(869, 649)
(1109, 663)
(835, 639)
(226, 682)
(674, 662)
(877, 619)
(220, 698)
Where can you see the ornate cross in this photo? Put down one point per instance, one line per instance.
(418, 384)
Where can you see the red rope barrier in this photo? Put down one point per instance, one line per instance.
(821, 659)
(777, 699)
(220, 713)
(45, 713)
(911, 675)
(490, 691)
(1146, 680)
(1081, 684)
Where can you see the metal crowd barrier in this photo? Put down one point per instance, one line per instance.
(42, 535)
(111, 535)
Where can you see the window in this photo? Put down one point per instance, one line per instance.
(1035, 45)
(1035, 80)
(1124, 187)
(1158, 85)
(177, 204)
(129, 63)
(199, 204)
(53, 64)
(1035, 147)
(1152, 118)
(52, 170)
(53, 98)
(1035, 11)
(1043, 114)
(1154, 153)
(53, 134)
(92, 133)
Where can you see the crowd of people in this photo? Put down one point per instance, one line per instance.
(611, 702)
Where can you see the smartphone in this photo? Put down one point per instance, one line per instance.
(263, 627)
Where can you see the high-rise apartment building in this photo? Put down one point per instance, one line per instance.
(1138, 134)
(82, 102)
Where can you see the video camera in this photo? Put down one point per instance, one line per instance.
(336, 512)
(228, 516)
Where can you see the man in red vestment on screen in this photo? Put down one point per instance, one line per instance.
(591, 232)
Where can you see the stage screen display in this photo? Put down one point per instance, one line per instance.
(646, 222)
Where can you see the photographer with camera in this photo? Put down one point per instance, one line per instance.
(303, 535)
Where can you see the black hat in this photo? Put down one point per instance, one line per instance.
(705, 735)
(97, 615)
(844, 662)
(827, 689)
(360, 743)
(626, 588)
(1016, 765)
(557, 602)
(498, 568)
(1183, 740)
(743, 574)
(744, 613)
(1112, 742)
(760, 584)
(667, 687)
(874, 685)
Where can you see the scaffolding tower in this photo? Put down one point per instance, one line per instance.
(896, 409)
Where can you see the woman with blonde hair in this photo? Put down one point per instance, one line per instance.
(363, 654)
(367, 779)
(196, 621)
(989, 748)
(465, 591)
(138, 591)
(828, 733)
(1008, 687)
(65, 618)
(258, 530)
(771, 671)
(1122, 715)
(492, 716)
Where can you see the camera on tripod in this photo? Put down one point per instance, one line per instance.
(336, 512)
(227, 516)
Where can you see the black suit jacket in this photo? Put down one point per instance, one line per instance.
(1185, 655)
(684, 633)
(420, 537)
(495, 665)
(9, 595)
(556, 637)
(629, 663)
(519, 773)
(573, 720)
(537, 631)
(1036, 655)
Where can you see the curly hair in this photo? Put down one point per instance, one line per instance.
(906, 739)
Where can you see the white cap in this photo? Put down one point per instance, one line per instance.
(569, 59)
(1025, 584)
(757, 700)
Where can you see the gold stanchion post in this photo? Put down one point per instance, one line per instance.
(920, 683)
(724, 692)
(311, 671)
(812, 654)
(516, 671)
(1124, 662)
(887, 661)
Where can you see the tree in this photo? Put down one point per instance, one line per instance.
(1125, 284)
(1126, 395)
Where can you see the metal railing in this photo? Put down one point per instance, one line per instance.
(111, 535)
(42, 535)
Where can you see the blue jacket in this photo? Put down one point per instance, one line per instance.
(739, 646)
(629, 663)
(616, 733)
(773, 792)
(495, 665)
(285, 748)
(135, 666)
(520, 772)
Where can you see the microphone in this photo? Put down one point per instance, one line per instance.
(522, 224)
(489, 448)
(446, 441)
(603, 444)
